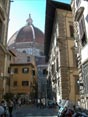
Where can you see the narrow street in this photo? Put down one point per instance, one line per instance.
(32, 110)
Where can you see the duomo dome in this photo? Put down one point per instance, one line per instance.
(29, 39)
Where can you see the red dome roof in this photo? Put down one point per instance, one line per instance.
(29, 33)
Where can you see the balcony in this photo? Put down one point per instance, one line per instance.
(84, 53)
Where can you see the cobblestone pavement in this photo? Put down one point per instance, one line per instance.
(33, 111)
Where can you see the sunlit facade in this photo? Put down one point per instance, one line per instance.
(23, 78)
(80, 16)
(59, 49)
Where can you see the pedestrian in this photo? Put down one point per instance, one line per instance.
(10, 107)
(4, 105)
(69, 113)
(1, 111)
(19, 102)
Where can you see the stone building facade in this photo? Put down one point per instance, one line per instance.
(59, 50)
(4, 18)
(80, 18)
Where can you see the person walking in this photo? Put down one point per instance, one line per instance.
(1, 111)
(4, 105)
(10, 107)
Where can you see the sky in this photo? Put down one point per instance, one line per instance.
(20, 10)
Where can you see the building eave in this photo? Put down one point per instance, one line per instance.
(22, 64)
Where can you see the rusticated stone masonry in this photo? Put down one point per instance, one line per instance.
(63, 57)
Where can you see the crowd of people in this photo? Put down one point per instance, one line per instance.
(6, 107)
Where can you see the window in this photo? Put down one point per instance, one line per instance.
(4, 3)
(33, 72)
(57, 64)
(15, 83)
(83, 40)
(85, 76)
(87, 18)
(53, 68)
(41, 53)
(71, 31)
(15, 70)
(75, 61)
(25, 83)
(44, 72)
(25, 70)
(28, 58)
(76, 84)
(82, 32)
(78, 2)
(9, 70)
(24, 51)
(0, 30)
(81, 26)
